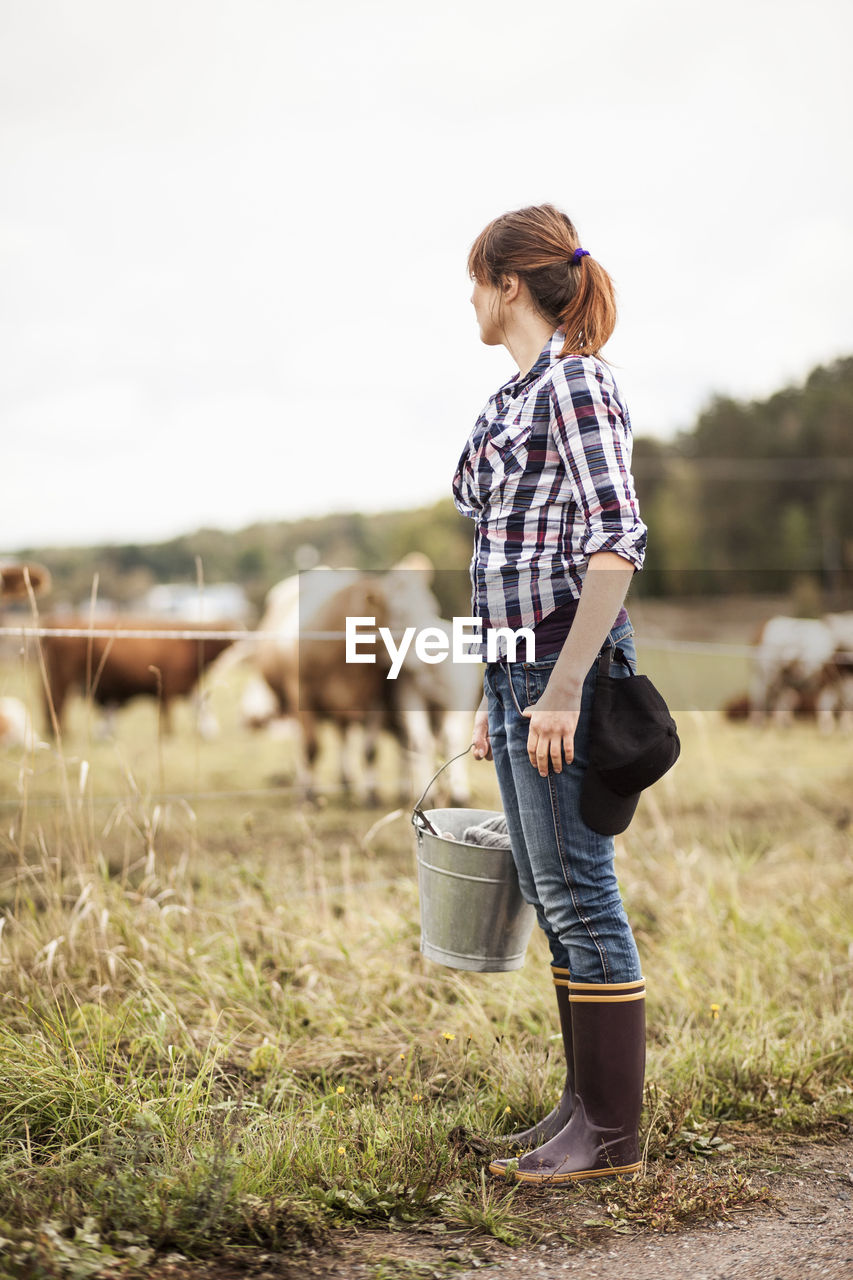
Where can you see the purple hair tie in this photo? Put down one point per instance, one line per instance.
(580, 253)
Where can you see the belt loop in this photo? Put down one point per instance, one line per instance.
(618, 651)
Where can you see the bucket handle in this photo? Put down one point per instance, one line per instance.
(419, 818)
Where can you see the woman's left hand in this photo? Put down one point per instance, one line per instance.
(553, 720)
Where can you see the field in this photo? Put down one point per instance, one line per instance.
(219, 1038)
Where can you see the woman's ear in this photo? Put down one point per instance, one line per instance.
(510, 287)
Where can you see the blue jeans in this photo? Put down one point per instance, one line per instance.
(565, 869)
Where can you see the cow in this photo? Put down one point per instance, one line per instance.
(310, 678)
(788, 663)
(117, 668)
(803, 665)
(425, 707)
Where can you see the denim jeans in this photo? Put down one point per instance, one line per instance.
(565, 869)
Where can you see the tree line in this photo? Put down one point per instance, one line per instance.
(754, 498)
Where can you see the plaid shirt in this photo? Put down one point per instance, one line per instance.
(546, 475)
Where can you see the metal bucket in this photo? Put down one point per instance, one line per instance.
(472, 913)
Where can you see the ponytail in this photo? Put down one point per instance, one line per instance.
(589, 317)
(567, 286)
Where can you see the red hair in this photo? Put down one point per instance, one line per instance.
(537, 244)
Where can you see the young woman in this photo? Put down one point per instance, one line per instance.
(546, 476)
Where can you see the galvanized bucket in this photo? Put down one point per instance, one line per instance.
(472, 913)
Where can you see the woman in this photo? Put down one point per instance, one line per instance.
(546, 476)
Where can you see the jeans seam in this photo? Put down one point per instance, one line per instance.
(549, 931)
(512, 690)
(602, 952)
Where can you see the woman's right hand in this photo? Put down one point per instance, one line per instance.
(480, 736)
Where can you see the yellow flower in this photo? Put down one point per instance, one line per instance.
(402, 1057)
(417, 1097)
(448, 1035)
(341, 1089)
(390, 1078)
(715, 1011)
(507, 1111)
(342, 1151)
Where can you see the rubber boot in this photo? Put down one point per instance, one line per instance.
(557, 1119)
(601, 1139)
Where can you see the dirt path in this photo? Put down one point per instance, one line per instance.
(804, 1233)
(807, 1232)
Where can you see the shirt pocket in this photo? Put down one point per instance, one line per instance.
(505, 450)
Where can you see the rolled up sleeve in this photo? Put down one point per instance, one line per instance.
(592, 434)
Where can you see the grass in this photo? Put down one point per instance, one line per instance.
(218, 1034)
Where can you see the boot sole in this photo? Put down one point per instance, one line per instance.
(555, 1178)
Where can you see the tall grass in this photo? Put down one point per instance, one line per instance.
(218, 1031)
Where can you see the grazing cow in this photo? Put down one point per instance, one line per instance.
(788, 663)
(426, 707)
(118, 668)
(310, 678)
(802, 666)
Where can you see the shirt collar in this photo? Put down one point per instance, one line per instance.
(549, 354)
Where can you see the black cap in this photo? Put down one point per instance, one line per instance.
(633, 742)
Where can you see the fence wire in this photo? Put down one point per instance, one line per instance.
(104, 633)
(658, 643)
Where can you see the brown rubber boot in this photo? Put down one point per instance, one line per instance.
(557, 1119)
(601, 1138)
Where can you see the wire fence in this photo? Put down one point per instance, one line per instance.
(285, 791)
(136, 633)
(657, 643)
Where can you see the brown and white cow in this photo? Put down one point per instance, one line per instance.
(301, 655)
(117, 668)
(427, 708)
(803, 666)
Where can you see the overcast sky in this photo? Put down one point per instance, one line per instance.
(233, 235)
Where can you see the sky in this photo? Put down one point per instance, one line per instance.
(233, 234)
